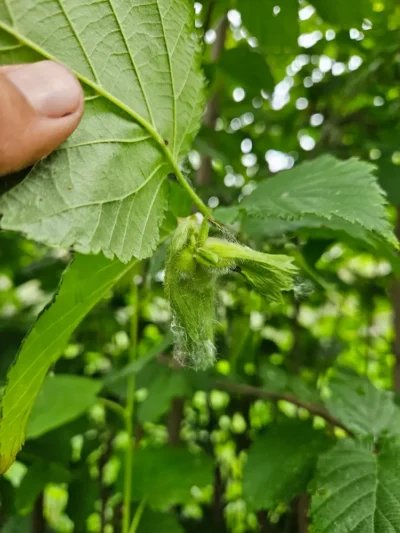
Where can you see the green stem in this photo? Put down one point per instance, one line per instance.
(138, 515)
(129, 411)
(204, 210)
(113, 406)
(140, 120)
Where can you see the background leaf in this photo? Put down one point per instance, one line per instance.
(33, 483)
(62, 399)
(346, 14)
(163, 384)
(280, 463)
(84, 283)
(18, 524)
(362, 407)
(357, 490)
(276, 31)
(248, 68)
(166, 475)
(325, 187)
(160, 522)
(79, 508)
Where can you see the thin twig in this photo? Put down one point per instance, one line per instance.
(301, 507)
(38, 519)
(257, 392)
(129, 410)
(250, 390)
(113, 406)
(104, 489)
(175, 417)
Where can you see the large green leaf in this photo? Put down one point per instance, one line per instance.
(160, 522)
(18, 524)
(357, 490)
(37, 477)
(313, 225)
(248, 68)
(218, 145)
(259, 229)
(163, 384)
(280, 463)
(84, 283)
(389, 179)
(276, 30)
(61, 399)
(105, 189)
(325, 187)
(344, 13)
(362, 407)
(83, 492)
(166, 475)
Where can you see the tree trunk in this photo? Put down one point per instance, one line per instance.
(175, 417)
(38, 519)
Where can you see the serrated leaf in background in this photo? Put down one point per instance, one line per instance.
(361, 407)
(357, 490)
(308, 224)
(280, 463)
(105, 189)
(325, 187)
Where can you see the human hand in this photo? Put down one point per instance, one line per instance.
(41, 104)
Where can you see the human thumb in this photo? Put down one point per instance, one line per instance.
(41, 104)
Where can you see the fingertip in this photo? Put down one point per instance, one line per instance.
(41, 105)
(50, 88)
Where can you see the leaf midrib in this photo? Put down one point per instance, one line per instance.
(135, 69)
(101, 91)
(77, 37)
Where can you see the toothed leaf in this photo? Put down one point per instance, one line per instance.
(105, 189)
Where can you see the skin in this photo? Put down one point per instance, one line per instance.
(41, 105)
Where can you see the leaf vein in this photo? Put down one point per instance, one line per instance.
(77, 37)
(171, 73)
(110, 2)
